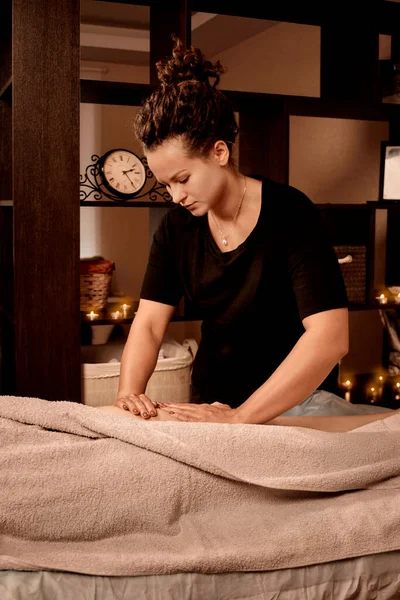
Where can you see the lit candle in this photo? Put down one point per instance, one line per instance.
(372, 394)
(397, 299)
(116, 315)
(382, 299)
(92, 315)
(125, 310)
(397, 391)
(347, 385)
(380, 386)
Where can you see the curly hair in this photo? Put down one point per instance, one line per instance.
(186, 104)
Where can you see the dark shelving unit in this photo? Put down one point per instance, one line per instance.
(40, 320)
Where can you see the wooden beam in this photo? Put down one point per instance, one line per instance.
(112, 92)
(46, 58)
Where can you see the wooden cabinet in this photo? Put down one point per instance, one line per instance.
(40, 96)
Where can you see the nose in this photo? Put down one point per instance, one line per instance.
(178, 195)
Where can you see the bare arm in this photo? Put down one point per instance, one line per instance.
(319, 349)
(140, 354)
(330, 423)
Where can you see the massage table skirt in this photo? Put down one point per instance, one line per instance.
(374, 577)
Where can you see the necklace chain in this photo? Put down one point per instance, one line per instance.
(226, 235)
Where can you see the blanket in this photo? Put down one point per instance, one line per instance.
(89, 492)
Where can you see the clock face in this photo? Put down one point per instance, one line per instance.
(123, 172)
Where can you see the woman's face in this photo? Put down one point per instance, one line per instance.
(197, 183)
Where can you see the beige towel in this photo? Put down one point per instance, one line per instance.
(90, 492)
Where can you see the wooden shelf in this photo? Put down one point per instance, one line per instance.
(128, 203)
(104, 320)
(132, 94)
(374, 306)
(386, 16)
(371, 204)
(384, 204)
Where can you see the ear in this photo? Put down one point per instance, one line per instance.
(221, 153)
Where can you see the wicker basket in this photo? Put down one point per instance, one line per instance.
(354, 272)
(169, 382)
(95, 283)
(95, 289)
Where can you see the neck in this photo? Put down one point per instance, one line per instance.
(225, 209)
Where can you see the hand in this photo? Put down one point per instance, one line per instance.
(126, 175)
(210, 413)
(138, 404)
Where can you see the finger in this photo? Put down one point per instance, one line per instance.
(221, 405)
(126, 404)
(149, 407)
(138, 404)
(183, 405)
(180, 416)
(131, 403)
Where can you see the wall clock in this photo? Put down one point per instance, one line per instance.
(122, 172)
(120, 175)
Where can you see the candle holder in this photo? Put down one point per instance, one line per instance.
(116, 315)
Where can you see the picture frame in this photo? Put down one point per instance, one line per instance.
(389, 180)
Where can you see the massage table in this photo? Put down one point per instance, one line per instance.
(98, 506)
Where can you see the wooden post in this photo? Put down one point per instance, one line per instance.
(167, 18)
(264, 139)
(46, 91)
(350, 55)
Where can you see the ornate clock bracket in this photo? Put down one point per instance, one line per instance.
(91, 184)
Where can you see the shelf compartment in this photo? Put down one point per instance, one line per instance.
(351, 229)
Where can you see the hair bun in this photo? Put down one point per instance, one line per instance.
(187, 64)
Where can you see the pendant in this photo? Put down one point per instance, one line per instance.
(224, 241)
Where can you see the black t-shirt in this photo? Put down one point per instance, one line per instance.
(251, 300)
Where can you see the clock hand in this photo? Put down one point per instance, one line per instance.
(126, 175)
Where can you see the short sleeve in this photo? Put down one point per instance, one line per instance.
(314, 269)
(162, 282)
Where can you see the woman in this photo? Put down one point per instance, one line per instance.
(249, 256)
